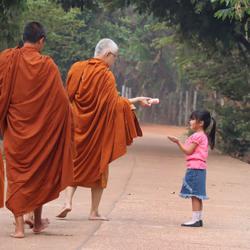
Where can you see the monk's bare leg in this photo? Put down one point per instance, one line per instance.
(19, 230)
(96, 195)
(29, 219)
(39, 224)
(69, 193)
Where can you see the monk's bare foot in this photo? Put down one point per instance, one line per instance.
(64, 212)
(97, 216)
(30, 223)
(18, 235)
(39, 228)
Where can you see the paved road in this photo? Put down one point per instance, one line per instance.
(145, 210)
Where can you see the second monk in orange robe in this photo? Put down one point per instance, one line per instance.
(104, 123)
(35, 120)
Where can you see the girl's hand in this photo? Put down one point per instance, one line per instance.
(173, 139)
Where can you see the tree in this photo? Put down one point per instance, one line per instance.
(9, 21)
(197, 18)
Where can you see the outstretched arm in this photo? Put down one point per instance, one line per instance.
(143, 101)
(188, 150)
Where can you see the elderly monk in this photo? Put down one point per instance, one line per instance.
(36, 125)
(104, 123)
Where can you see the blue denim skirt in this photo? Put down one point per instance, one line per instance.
(194, 184)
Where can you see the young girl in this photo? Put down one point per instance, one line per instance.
(196, 150)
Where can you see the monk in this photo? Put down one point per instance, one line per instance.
(104, 123)
(36, 124)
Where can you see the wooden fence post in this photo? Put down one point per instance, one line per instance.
(186, 106)
(195, 100)
(180, 113)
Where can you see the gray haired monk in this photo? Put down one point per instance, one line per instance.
(105, 123)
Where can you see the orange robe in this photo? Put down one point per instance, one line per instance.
(1, 181)
(104, 121)
(36, 123)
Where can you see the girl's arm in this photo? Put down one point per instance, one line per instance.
(188, 150)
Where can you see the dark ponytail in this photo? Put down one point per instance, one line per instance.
(211, 134)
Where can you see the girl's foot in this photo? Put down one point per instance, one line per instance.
(193, 224)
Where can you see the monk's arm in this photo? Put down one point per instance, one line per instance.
(143, 101)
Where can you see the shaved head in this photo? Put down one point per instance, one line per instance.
(105, 46)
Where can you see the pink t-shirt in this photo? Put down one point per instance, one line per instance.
(197, 160)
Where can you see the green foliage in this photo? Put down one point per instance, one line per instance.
(235, 130)
(68, 4)
(236, 9)
(9, 21)
(72, 36)
(225, 13)
(198, 18)
(65, 31)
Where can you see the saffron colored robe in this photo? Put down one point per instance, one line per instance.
(36, 123)
(104, 121)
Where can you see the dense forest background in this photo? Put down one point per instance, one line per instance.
(190, 54)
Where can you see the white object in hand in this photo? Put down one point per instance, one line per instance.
(154, 101)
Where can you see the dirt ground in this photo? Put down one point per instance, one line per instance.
(144, 207)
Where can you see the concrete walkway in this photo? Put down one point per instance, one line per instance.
(145, 210)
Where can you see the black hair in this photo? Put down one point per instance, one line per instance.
(33, 32)
(207, 119)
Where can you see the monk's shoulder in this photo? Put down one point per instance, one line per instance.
(48, 60)
(49, 63)
(4, 59)
(6, 53)
(78, 65)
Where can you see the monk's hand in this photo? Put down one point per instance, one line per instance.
(173, 139)
(144, 101)
(132, 106)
